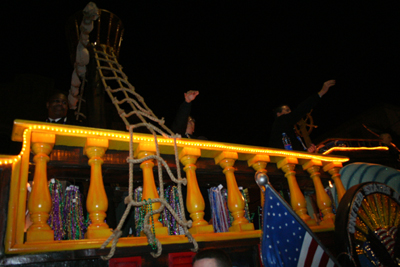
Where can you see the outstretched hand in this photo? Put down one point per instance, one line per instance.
(312, 148)
(190, 95)
(326, 87)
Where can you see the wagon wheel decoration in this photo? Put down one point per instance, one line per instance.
(307, 124)
(367, 226)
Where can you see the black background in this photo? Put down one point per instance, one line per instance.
(245, 57)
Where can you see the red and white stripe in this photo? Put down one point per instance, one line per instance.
(387, 237)
(312, 254)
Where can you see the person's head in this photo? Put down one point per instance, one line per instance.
(281, 110)
(57, 106)
(386, 138)
(190, 125)
(212, 258)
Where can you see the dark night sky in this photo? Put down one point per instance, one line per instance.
(244, 58)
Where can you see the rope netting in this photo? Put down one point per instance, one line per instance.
(121, 92)
(129, 104)
(147, 226)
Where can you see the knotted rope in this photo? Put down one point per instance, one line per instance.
(116, 83)
(164, 204)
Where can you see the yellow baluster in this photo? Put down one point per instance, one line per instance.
(297, 200)
(97, 202)
(259, 163)
(323, 200)
(194, 200)
(235, 199)
(333, 169)
(146, 149)
(39, 203)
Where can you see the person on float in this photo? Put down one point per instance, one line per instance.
(285, 119)
(58, 110)
(183, 123)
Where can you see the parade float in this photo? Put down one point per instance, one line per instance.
(173, 196)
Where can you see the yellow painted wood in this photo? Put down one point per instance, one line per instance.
(150, 189)
(194, 200)
(145, 149)
(224, 155)
(334, 168)
(297, 199)
(77, 137)
(258, 158)
(97, 142)
(65, 245)
(22, 188)
(39, 138)
(97, 202)
(323, 200)
(311, 163)
(235, 198)
(259, 163)
(10, 238)
(39, 204)
(285, 161)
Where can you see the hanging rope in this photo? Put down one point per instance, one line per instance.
(129, 104)
(152, 240)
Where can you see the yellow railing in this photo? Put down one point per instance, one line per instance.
(40, 138)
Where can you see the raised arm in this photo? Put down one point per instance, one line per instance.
(325, 87)
(308, 104)
(181, 119)
(191, 95)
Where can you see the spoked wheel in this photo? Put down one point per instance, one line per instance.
(308, 124)
(367, 226)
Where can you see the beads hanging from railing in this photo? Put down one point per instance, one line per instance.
(219, 210)
(66, 216)
(56, 215)
(74, 223)
(220, 214)
(137, 197)
(171, 195)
